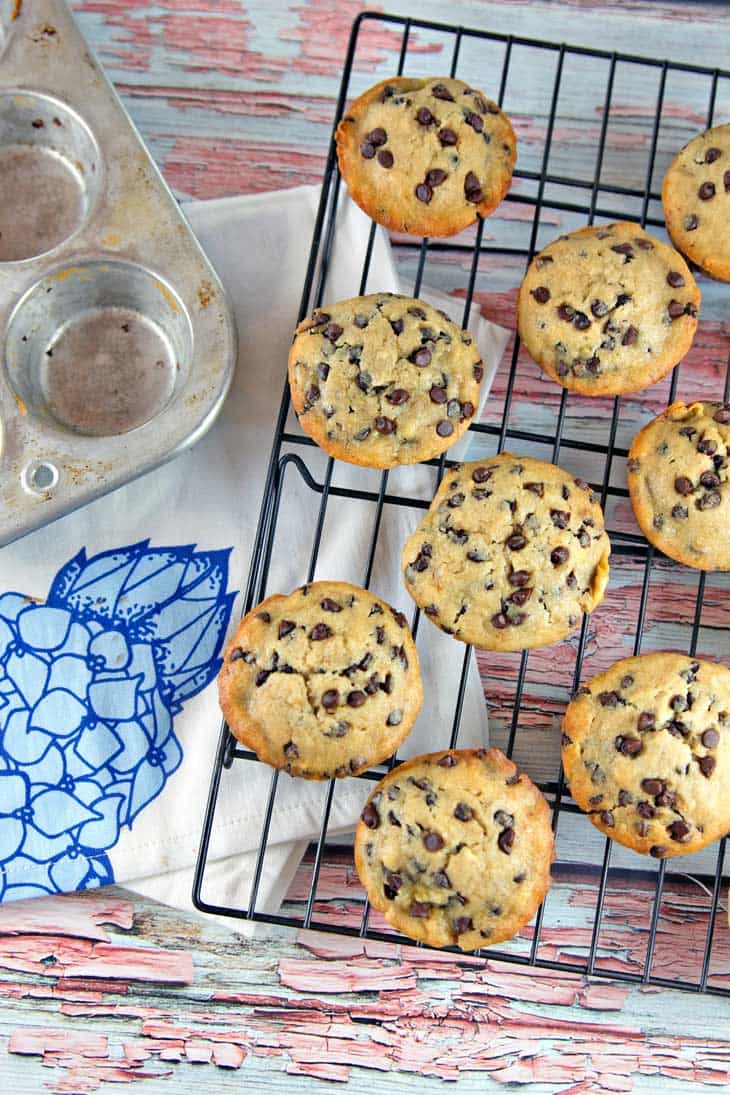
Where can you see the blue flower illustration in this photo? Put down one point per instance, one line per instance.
(90, 681)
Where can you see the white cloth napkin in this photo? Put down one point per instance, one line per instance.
(211, 495)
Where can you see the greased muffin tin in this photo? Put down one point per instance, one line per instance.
(118, 344)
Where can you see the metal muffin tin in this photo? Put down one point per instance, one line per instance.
(118, 345)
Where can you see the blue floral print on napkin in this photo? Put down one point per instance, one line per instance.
(90, 680)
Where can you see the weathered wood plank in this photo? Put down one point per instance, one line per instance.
(107, 988)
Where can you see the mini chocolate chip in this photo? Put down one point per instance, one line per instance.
(665, 798)
(442, 879)
(712, 154)
(643, 243)
(397, 325)
(683, 485)
(444, 428)
(679, 512)
(463, 924)
(448, 761)
(675, 309)
(629, 747)
(286, 627)
(625, 798)
(559, 555)
(624, 249)
(707, 766)
(398, 396)
(453, 408)
(645, 810)
(707, 448)
(370, 816)
(435, 176)
(516, 541)
(710, 738)
(362, 434)
(691, 222)
(462, 812)
(571, 582)
(385, 158)
(356, 698)
(440, 91)
(424, 193)
(472, 188)
(500, 621)
(566, 312)
(658, 850)
(652, 786)
(236, 654)
(262, 677)
(505, 840)
(330, 698)
(332, 331)
(265, 617)
(609, 699)
(607, 818)
(419, 909)
(467, 410)
(521, 596)
(709, 479)
(560, 518)
(678, 830)
(421, 356)
(541, 294)
(710, 500)
(630, 336)
(366, 150)
(395, 718)
(581, 321)
(478, 371)
(675, 279)
(385, 425)
(726, 182)
(722, 416)
(481, 474)
(706, 191)
(475, 122)
(424, 116)
(319, 632)
(599, 308)
(434, 842)
(519, 577)
(447, 137)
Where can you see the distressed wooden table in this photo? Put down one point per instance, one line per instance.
(105, 987)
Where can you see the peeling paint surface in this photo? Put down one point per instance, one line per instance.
(107, 988)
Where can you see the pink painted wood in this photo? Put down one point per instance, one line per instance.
(106, 987)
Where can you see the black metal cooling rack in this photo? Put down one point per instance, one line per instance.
(542, 190)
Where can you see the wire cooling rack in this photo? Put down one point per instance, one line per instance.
(610, 912)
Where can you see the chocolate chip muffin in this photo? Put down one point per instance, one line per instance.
(455, 848)
(677, 473)
(510, 555)
(426, 156)
(383, 380)
(322, 683)
(607, 309)
(646, 751)
(696, 200)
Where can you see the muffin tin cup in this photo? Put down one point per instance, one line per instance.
(118, 342)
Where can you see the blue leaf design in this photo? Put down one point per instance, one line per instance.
(89, 684)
